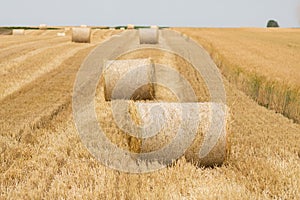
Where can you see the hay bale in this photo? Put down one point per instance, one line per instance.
(81, 35)
(130, 26)
(63, 34)
(129, 79)
(122, 29)
(148, 36)
(150, 127)
(18, 32)
(83, 26)
(43, 27)
(154, 26)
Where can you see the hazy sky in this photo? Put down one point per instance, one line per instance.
(201, 13)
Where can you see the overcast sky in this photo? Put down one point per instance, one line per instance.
(199, 13)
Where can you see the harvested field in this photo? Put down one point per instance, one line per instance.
(264, 63)
(42, 157)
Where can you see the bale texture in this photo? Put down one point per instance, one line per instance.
(148, 36)
(81, 35)
(18, 32)
(148, 127)
(129, 79)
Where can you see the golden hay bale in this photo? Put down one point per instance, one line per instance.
(154, 26)
(43, 26)
(150, 127)
(63, 34)
(83, 26)
(81, 34)
(130, 26)
(18, 32)
(148, 36)
(122, 29)
(129, 79)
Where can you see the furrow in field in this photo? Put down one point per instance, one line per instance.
(20, 49)
(18, 41)
(7, 64)
(39, 100)
(14, 80)
(47, 89)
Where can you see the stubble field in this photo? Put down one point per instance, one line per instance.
(41, 155)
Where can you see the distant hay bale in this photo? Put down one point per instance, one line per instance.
(61, 34)
(43, 26)
(153, 126)
(130, 26)
(129, 79)
(18, 32)
(154, 26)
(148, 36)
(81, 35)
(122, 29)
(111, 28)
(83, 26)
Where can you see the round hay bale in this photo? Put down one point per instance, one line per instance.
(122, 29)
(151, 127)
(154, 26)
(18, 32)
(129, 79)
(130, 26)
(81, 35)
(148, 36)
(43, 27)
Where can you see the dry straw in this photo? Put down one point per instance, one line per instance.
(158, 123)
(148, 36)
(81, 34)
(61, 34)
(129, 79)
(18, 32)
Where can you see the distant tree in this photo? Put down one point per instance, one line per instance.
(272, 23)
